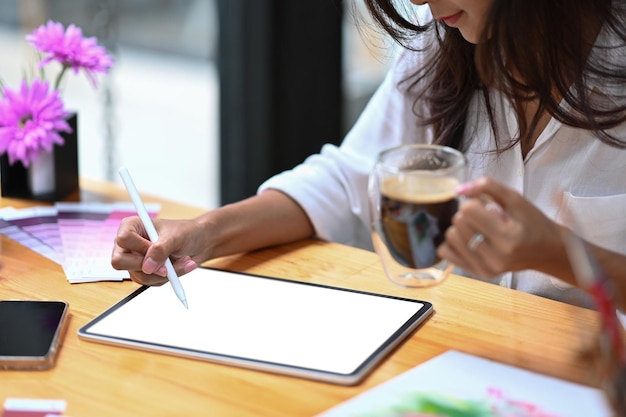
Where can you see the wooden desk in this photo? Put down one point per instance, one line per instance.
(97, 380)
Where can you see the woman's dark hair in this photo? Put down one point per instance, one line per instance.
(530, 50)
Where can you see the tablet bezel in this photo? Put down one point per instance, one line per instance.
(355, 377)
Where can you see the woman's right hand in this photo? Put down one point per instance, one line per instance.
(180, 240)
(267, 219)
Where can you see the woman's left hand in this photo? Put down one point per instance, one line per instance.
(496, 230)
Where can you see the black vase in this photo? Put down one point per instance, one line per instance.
(15, 182)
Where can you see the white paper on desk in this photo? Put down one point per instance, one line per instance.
(264, 320)
(465, 378)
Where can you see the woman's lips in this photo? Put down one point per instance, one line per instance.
(452, 19)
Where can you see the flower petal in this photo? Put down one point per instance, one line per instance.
(30, 121)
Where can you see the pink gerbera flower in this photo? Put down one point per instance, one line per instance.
(30, 121)
(70, 49)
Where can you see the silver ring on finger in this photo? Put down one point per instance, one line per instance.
(475, 241)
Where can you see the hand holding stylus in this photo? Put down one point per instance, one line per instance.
(152, 233)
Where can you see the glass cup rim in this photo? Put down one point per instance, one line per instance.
(460, 157)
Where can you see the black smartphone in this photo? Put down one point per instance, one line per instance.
(31, 332)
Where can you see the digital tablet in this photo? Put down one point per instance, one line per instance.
(269, 324)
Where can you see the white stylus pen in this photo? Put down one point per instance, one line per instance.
(152, 233)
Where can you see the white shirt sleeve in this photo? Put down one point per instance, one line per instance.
(332, 186)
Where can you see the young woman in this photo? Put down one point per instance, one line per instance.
(531, 91)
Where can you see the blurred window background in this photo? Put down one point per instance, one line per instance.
(157, 111)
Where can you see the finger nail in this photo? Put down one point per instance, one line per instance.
(189, 266)
(149, 266)
(463, 188)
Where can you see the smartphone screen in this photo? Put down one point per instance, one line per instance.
(30, 333)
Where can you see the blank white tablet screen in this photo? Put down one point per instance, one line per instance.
(262, 319)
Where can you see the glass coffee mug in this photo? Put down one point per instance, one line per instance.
(412, 192)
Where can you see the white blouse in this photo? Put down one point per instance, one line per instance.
(591, 176)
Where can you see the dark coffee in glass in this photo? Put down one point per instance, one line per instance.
(412, 191)
(414, 223)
